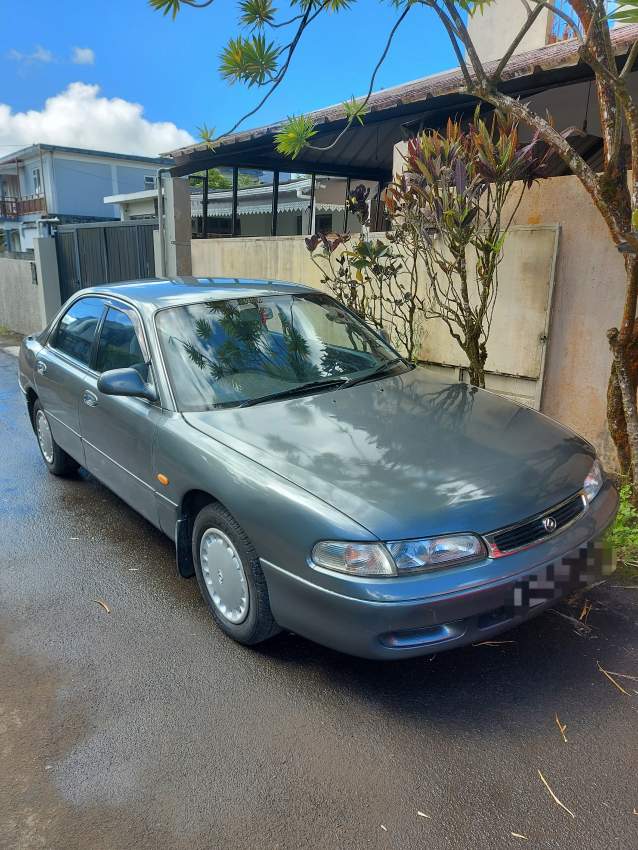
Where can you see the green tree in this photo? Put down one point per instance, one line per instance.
(253, 59)
(223, 182)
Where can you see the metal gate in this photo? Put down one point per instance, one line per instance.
(104, 252)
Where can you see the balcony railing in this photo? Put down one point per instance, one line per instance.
(14, 208)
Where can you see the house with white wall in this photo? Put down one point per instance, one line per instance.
(299, 211)
(44, 184)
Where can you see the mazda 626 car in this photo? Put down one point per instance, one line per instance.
(310, 477)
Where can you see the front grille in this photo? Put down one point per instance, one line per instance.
(533, 530)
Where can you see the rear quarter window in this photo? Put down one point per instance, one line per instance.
(76, 329)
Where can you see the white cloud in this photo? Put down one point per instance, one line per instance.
(39, 54)
(80, 117)
(83, 56)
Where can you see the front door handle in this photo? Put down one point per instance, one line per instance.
(89, 398)
(41, 366)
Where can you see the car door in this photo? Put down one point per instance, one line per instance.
(62, 367)
(118, 432)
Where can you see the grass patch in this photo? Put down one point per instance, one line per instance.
(623, 536)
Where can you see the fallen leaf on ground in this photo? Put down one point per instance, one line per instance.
(585, 612)
(554, 797)
(612, 680)
(518, 835)
(103, 604)
(384, 828)
(561, 727)
(580, 627)
(636, 811)
(423, 815)
(623, 676)
(493, 642)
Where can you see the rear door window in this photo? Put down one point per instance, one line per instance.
(119, 346)
(76, 329)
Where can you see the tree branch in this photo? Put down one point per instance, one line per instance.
(393, 31)
(307, 19)
(464, 36)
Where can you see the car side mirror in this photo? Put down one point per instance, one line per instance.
(125, 382)
(385, 336)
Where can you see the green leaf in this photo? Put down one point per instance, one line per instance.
(256, 13)
(166, 7)
(249, 60)
(206, 134)
(295, 135)
(355, 109)
(626, 12)
(473, 6)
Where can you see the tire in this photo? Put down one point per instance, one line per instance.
(57, 460)
(222, 552)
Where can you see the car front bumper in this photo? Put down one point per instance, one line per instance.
(502, 593)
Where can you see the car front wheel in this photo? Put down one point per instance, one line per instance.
(230, 577)
(57, 460)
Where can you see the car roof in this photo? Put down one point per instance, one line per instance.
(172, 292)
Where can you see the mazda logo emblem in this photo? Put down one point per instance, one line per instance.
(549, 524)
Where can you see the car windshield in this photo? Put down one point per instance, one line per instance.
(243, 350)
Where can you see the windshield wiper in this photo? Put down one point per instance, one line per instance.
(293, 391)
(378, 370)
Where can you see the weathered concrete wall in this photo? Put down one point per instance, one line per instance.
(20, 300)
(588, 299)
(282, 258)
(494, 29)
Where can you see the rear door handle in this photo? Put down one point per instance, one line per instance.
(41, 366)
(89, 398)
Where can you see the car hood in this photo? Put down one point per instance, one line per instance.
(409, 455)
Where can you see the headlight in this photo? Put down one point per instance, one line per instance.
(357, 559)
(433, 552)
(593, 482)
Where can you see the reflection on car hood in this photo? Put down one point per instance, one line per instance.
(409, 456)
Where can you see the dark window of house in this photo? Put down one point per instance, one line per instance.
(76, 330)
(119, 347)
(324, 223)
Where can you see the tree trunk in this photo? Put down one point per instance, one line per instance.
(622, 414)
(477, 355)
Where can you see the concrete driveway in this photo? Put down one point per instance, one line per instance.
(146, 729)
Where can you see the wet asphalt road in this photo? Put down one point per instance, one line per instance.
(146, 728)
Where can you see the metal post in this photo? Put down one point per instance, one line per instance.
(275, 201)
(205, 205)
(160, 220)
(235, 219)
(311, 219)
(377, 216)
(345, 206)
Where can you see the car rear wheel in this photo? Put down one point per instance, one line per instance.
(57, 460)
(230, 577)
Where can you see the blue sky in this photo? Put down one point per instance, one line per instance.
(170, 67)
